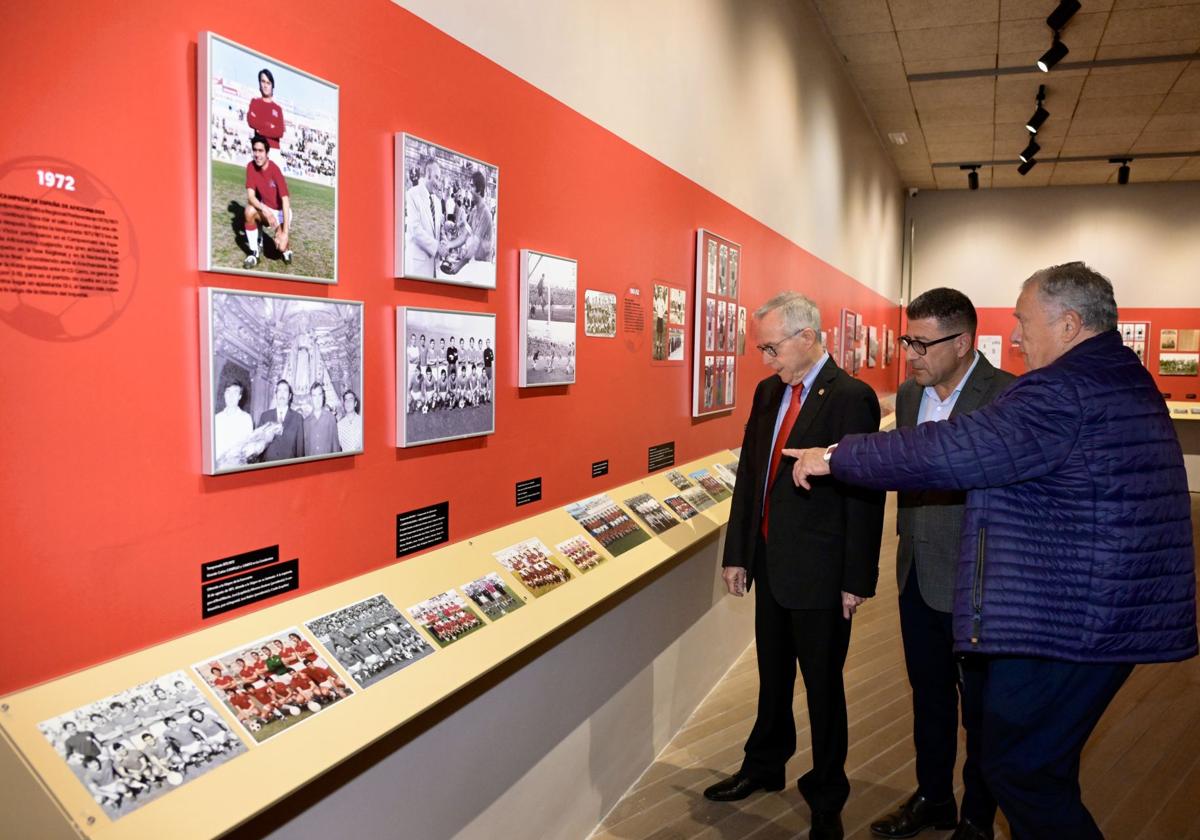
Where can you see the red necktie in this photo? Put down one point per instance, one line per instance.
(785, 429)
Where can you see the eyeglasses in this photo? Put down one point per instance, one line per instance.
(922, 347)
(772, 349)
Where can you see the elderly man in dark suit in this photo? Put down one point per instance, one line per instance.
(814, 556)
(289, 443)
(948, 378)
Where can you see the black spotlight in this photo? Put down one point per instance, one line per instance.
(972, 175)
(1026, 166)
(1039, 116)
(1029, 151)
(1063, 13)
(1057, 52)
(1123, 172)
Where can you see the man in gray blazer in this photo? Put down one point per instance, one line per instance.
(948, 378)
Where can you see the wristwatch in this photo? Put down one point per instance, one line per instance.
(829, 452)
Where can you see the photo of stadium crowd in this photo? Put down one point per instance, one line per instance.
(532, 563)
(370, 639)
(269, 166)
(134, 746)
(609, 524)
(446, 617)
(273, 683)
(492, 596)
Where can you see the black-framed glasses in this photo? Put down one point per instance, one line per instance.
(922, 347)
(772, 349)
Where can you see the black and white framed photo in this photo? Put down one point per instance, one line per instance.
(132, 747)
(548, 313)
(445, 372)
(446, 214)
(599, 314)
(268, 165)
(281, 379)
(370, 639)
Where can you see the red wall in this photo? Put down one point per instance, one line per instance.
(107, 516)
(999, 321)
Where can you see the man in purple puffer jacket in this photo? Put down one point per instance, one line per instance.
(1077, 559)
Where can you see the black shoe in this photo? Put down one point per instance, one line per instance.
(968, 830)
(916, 815)
(826, 825)
(736, 788)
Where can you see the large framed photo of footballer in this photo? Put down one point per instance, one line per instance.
(446, 214)
(718, 266)
(548, 298)
(280, 379)
(446, 375)
(267, 165)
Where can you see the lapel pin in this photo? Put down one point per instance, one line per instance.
(821, 392)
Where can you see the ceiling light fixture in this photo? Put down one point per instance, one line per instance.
(1026, 166)
(1065, 10)
(1039, 116)
(1029, 151)
(1123, 172)
(1057, 52)
(972, 175)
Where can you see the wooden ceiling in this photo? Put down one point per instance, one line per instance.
(1109, 111)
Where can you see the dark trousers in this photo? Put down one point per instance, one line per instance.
(817, 640)
(1037, 715)
(939, 681)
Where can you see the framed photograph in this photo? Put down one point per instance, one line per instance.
(718, 262)
(534, 565)
(599, 314)
(677, 314)
(741, 331)
(446, 214)
(268, 165)
(846, 360)
(1178, 364)
(1188, 341)
(135, 746)
(446, 617)
(1168, 339)
(445, 375)
(667, 334)
(273, 683)
(280, 378)
(872, 346)
(652, 513)
(492, 596)
(547, 334)
(370, 639)
(580, 552)
(609, 524)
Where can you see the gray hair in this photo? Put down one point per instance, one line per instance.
(1076, 287)
(797, 311)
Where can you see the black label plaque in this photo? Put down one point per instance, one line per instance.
(661, 456)
(529, 490)
(239, 563)
(248, 588)
(421, 528)
(599, 468)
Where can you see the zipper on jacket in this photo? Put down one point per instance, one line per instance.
(977, 593)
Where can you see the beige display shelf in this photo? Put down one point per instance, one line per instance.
(227, 795)
(1181, 410)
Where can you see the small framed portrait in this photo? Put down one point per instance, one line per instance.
(268, 165)
(547, 334)
(447, 207)
(445, 372)
(281, 379)
(599, 314)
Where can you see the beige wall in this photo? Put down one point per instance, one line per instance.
(745, 97)
(1143, 237)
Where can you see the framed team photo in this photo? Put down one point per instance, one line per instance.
(608, 524)
(280, 378)
(370, 639)
(445, 372)
(599, 314)
(137, 745)
(534, 565)
(446, 617)
(268, 165)
(273, 683)
(446, 214)
(548, 312)
(493, 596)
(718, 263)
